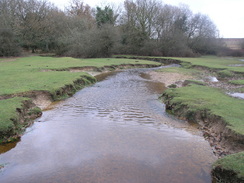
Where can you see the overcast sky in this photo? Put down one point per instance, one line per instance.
(228, 15)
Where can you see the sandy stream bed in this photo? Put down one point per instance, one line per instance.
(168, 78)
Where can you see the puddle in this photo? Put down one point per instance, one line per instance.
(237, 65)
(212, 79)
(237, 95)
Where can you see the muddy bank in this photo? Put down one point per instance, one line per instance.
(220, 136)
(39, 100)
(160, 60)
(44, 98)
(104, 68)
(223, 175)
(25, 116)
(223, 140)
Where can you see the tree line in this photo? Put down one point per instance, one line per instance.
(142, 27)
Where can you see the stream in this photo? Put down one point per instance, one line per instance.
(116, 131)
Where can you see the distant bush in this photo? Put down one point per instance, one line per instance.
(94, 43)
(230, 52)
(8, 44)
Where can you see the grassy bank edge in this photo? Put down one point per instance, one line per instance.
(17, 113)
(227, 169)
(210, 63)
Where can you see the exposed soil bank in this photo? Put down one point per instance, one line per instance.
(222, 175)
(42, 99)
(24, 118)
(160, 60)
(228, 169)
(223, 139)
(39, 100)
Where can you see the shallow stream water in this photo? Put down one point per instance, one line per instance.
(116, 131)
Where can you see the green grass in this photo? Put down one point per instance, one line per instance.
(38, 62)
(237, 82)
(25, 74)
(8, 112)
(233, 162)
(198, 97)
(216, 62)
(212, 62)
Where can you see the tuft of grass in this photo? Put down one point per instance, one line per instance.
(237, 82)
(188, 82)
(234, 163)
(35, 111)
(198, 97)
(225, 74)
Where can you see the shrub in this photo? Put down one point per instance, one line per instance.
(8, 44)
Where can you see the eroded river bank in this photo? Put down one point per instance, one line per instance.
(113, 131)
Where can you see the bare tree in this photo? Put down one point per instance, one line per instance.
(202, 34)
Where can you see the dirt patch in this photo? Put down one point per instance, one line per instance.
(42, 100)
(168, 78)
